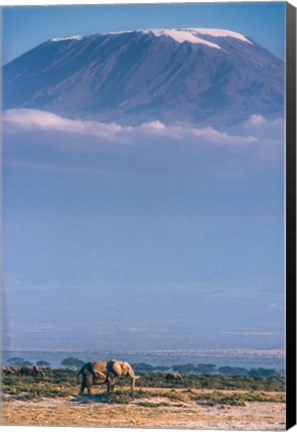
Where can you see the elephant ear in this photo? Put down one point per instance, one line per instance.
(114, 367)
(128, 370)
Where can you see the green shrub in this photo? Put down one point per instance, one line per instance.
(61, 382)
(233, 400)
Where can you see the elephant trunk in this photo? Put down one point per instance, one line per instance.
(134, 378)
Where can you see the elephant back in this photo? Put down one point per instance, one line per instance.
(97, 365)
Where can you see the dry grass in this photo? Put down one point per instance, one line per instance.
(54, 401)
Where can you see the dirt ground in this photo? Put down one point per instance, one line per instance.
(157, 412)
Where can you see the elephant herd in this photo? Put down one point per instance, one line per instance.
(23, 370)
(94, 372)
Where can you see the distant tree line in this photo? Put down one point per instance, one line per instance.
(208, 369)
(189, 368)
(19, 361)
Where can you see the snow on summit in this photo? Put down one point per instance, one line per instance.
(191, 35)
(60, 39)
(220, 33)
(181, 36)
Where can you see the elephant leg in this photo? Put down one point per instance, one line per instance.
(110, 384)
(83, 385)
(89, 382)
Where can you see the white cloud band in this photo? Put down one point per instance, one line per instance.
(35, 119)
(31, 119)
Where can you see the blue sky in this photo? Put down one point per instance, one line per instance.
(26, 27)
(141, 239)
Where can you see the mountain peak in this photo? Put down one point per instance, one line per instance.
(185, 75)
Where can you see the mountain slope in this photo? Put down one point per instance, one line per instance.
(201, 76)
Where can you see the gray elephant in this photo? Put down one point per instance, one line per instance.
(104, 372)
(173, 376)
(31, 371)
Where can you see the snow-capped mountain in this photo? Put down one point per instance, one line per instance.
(200, 76)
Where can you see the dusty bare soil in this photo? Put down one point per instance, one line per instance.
(155, 412)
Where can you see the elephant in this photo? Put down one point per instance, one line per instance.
(31, 370)
(15, 369)
(173, 376)
(104, 372)
(10, 370)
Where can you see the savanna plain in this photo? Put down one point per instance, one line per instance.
(197, 402)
